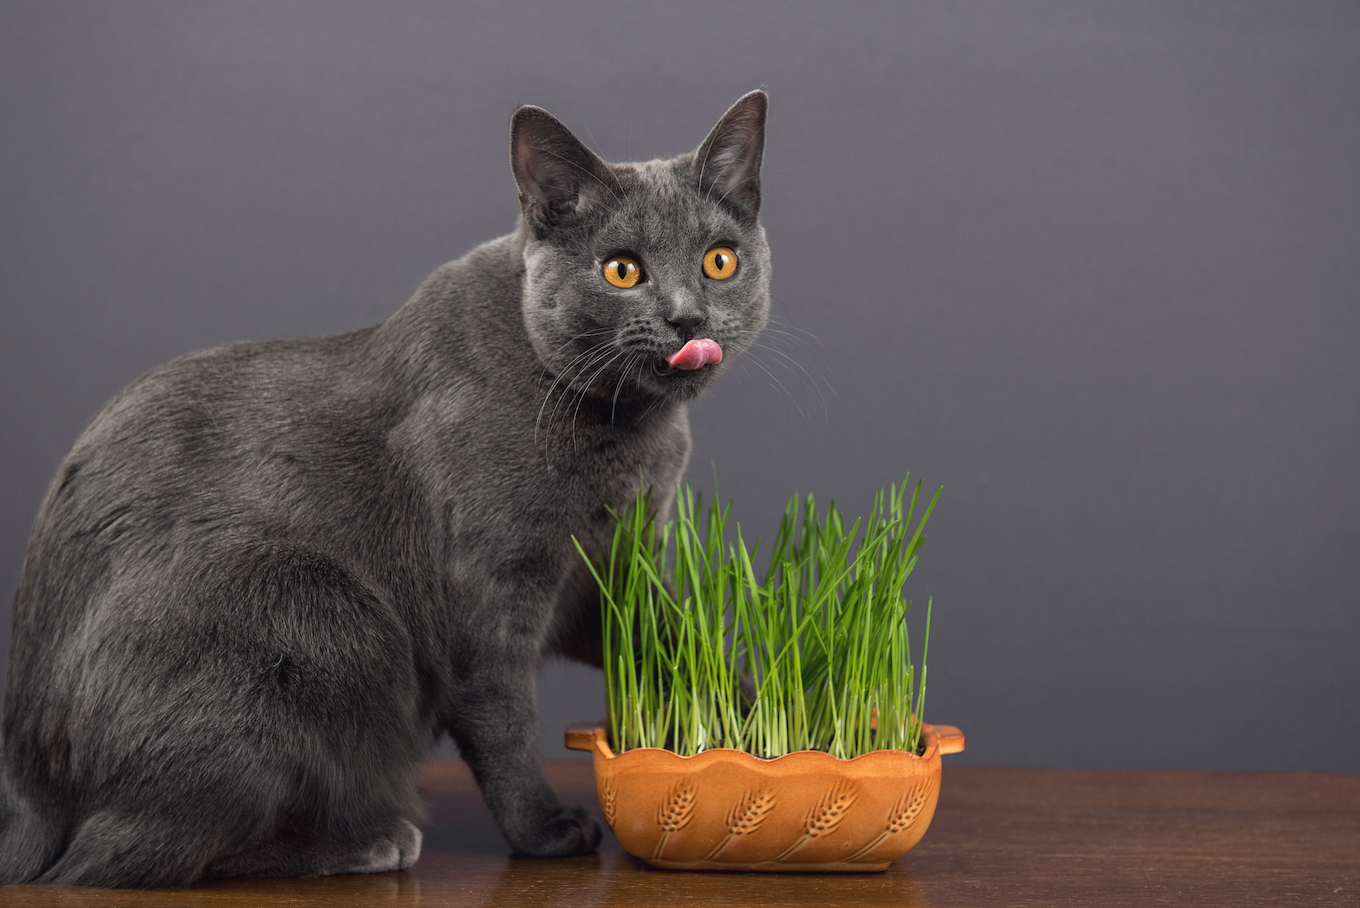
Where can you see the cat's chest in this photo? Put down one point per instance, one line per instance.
(600, 474)
(498, 480)
(585, 453)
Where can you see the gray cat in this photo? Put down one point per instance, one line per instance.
(269, 575)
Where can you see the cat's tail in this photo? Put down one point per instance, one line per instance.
(28, 846)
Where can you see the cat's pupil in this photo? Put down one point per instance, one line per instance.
(720, 261)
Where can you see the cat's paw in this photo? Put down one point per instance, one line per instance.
(568, 831)
(395, 851)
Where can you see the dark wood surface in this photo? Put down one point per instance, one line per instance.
(1013, 837)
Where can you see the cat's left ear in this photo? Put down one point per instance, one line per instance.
(558, 177)
(729, 159)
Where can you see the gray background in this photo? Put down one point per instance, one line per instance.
(1092, 268)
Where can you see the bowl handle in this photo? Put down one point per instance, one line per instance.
(949, 738)
(583, 737)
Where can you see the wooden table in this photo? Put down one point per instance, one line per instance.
(1013, 837)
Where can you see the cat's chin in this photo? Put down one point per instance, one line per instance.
(681, 384)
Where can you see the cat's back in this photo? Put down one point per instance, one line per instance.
(216, 422)
(212, 512)
(300, 440)
(238, 441)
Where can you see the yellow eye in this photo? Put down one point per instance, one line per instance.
(720, 263)
(622, 271)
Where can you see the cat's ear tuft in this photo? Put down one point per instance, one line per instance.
(729, 159)
(558, 177)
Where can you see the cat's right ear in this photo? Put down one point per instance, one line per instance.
(558, 177)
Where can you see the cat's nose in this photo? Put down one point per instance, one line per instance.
(687, 325)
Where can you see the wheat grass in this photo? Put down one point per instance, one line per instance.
(821, 638)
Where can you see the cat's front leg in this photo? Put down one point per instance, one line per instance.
(494, 721)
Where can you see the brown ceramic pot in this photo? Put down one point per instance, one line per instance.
(728, 810)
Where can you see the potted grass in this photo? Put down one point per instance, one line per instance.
(764, 722)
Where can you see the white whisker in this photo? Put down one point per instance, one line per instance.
(587, 354)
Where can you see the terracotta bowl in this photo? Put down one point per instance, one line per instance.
(728, 810)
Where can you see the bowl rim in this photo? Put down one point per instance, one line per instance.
(593, 737)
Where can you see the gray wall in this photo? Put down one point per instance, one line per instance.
(1092, 268)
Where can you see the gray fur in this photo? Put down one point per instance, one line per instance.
(269, 575)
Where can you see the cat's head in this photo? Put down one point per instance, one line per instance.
(642, 280)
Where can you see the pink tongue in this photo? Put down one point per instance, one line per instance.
(696, 354)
